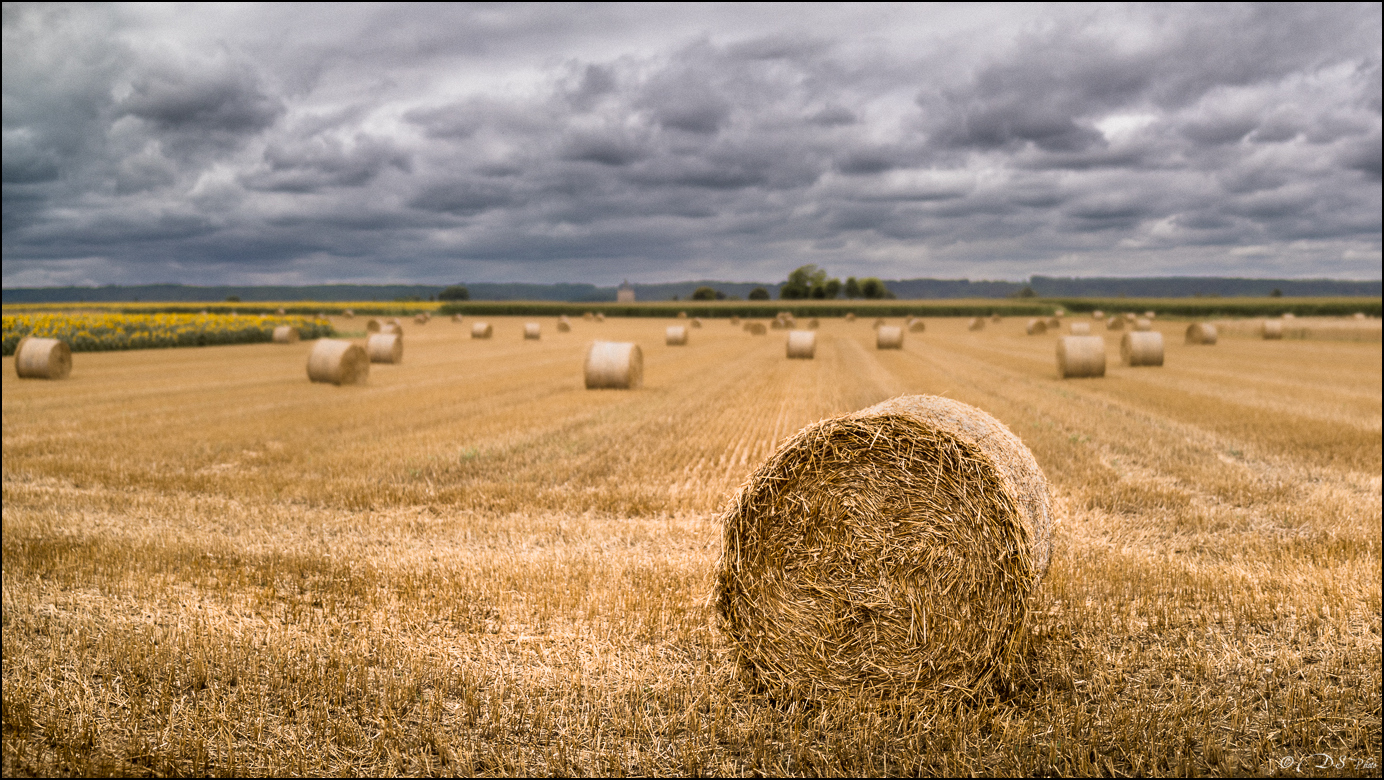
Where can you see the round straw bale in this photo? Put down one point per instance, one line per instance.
(349, 314)
(1080, 356)
(682, 315)
(976, 324)
(675, 336)
(338, 362)
(888, 551)
(481, 330)
(372, 326)
(1359, 315)
(600, 317)
(1143, 324)
(916, 325)
(696, 322)
(422, 319)
(456, 318)
(1150, 314)
(611, 364)
(36, 358)
(588, 316)
(1081, 328)
(734, 320)
(850, 316)
(532, 332)
(889, 337)
(1142, 348)
(1054, 323)
(1115, 323)
(1036, 327)
(1097, 315)
(1059, 312)
(1287, 315)
(802, 344)
(1272, 329)
(285, 334)
(995, 318)
(1201, 333)
(776, 324)
(280, 311)
(385, 347)
(563, 326)
(755, 328)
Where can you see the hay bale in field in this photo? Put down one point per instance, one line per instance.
(1054, 323)
(532, 332)
(349, 314)
(36, 358)
(1143, 324)
(675, 336)
(756, 328)
(1150, 314)
(588, 316)
(995, 319)
(776, 324)
(1036, 327)
(1097, 315)
(888, 551)
(372, 326)
(734, 320)
(682, 315)
(1080, 356)
(1359, 315)
(1115, 323)
(1272, 329)
(481, 330)
(889, 337)
(385, 347)
(1201, 333)
(456, 318)
(280, 311)
(916, 325)
(285, 334)
(617, 365)
(1287, 315)
(850, 316)
(696, 322)
(802, 344)
(338, 362)
(1081, 328)
(563, 326)
(600, 317)
(422, 319)
(1059, 312)
(976, 323)
(1142, 348)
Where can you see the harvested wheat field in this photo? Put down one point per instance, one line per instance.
(471, 564)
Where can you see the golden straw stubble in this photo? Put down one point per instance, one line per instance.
(887, 551)
(612, 364)
(338, 362)
(38, 358)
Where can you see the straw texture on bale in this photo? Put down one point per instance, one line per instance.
(889, 337)
(1081, 328)
(1036, 327)
(1143, 324)
(532, 332)
(372, 326)
(1201, 333)
(385, 347)
(1080, 356)
(884, 552)
(802, 344)
(1273, 329)
(615, 365)
(1142, 348)
(563, 326)
(285, 334)
(675, 335)
(338, 362)
(755, 328)
(481, 330)
(36, 358)
(916, 325)
(1115, 323)
(976, 324)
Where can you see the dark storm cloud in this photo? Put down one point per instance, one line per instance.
(552, 143)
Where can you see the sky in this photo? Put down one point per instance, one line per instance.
(440, 143)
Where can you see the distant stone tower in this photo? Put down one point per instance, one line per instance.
(625, 292)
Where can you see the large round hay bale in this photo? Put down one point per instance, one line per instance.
(1143, 323)
(1080, 356)
(1359, 315)
(385, 347)
(889, 337)
(588, 316)
(481, 330)
(1142, 348)
(1059, 312)
(36, 358)
(888, 551)
(1115, 323)
(1272, 329)
(1287, 315)
(285, 334)
(563, 326)
(802, 344)
(1081, 328)
(532, 332)
(916, 325)
(1097, 315)
(976, 323)
(1036, 327)
(617, 365)
(675, 336)
(338, 362)
(1201, 333)
(756, 328)
(372, 326)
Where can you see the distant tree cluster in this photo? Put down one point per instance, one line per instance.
(455, 292)
(809, 281)
(705, 293)
(869, 287)
(759, 294)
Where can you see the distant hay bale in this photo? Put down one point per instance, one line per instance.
(456, 318)
(1054, 323)
(1143, 324)
(1150, 314)
(1036, 327)
(675, 336)
(349, 314)
(916, 325)
(385, 347)
(614, 365)
(889, 337)
(976, 323)
(1142, 348)
(734, 320)
(885, 552)
(1081, 328)
(1287, 315)
(850, 316)
(1080, 356)
(995, 319)
(1059, 312)
(532, 332)
(1115, 323)
(696, 322)
(321, 315)
(338, 362)
(280, 311)
(1359, 315)
(814, 323)
(372, 326)
(802, 344)
(481, 330)
(1272, 329)
(588, 316)
(600, 317)
(1097, 315)
(756, 328)
(563, 326)
(421, 319)
(285, 334)
(682, 315)
(36, 358)
(776, 324)
(1201, 333)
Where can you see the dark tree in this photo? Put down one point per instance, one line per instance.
(852, 287)
(759, 294)
(456, 292)
(706, 294)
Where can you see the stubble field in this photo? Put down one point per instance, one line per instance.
(473, 565)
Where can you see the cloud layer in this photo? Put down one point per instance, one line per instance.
(310, 144)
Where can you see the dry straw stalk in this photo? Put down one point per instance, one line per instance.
(675, 336)
(36, 358)
(285, 334)
(1036, 327)
(481, 330)
(1080, 356)
(802, 344)
(883, 552)
(385, 348)
(617, 365)
(1201, 333)
(338, 362)
(1142, 348)
(889, 337)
